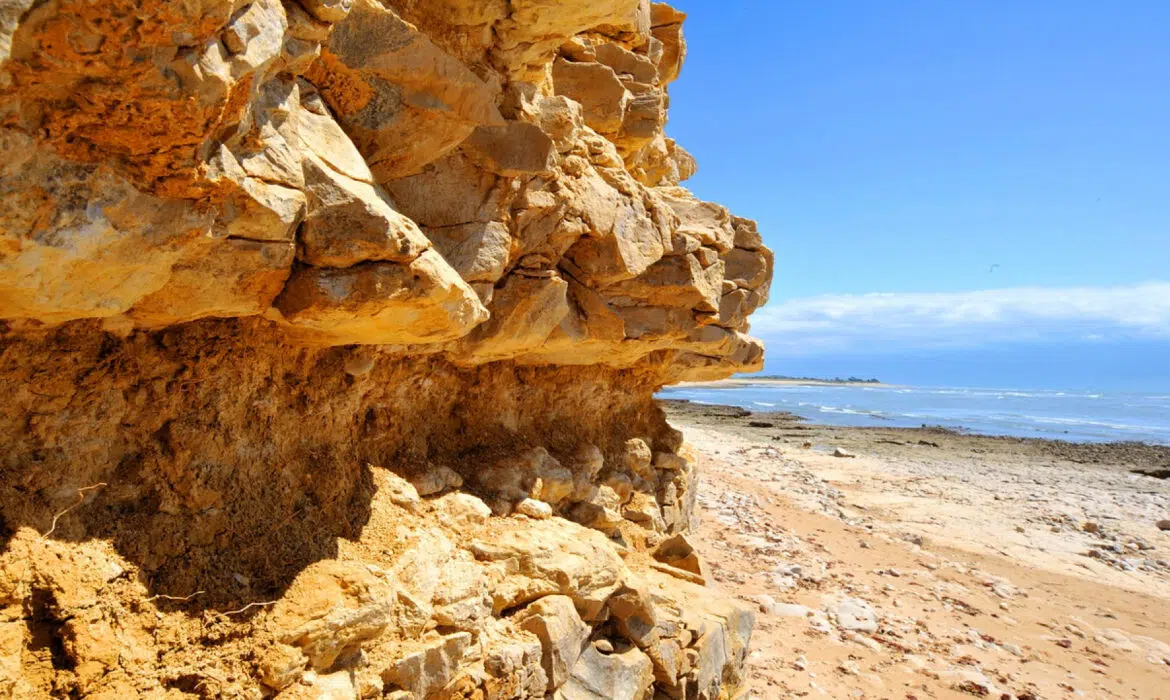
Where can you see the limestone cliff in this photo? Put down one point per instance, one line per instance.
(329, 335)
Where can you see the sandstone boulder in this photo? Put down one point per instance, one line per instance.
(562, 633)
(596, 87)
(350, 221)
(431, 667)
(331, 610)
(628, 675)
(80, 241)
(478, 251)
(381, 302)
(566, 560)
(403, 100)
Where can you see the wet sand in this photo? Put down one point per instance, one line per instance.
(936, 564)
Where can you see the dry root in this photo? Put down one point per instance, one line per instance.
(80, 499)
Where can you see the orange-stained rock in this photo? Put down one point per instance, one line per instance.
(383, 303)
(350, 221)
(524, 311)
(79, 241)
(666, 26)
(403, 100)
(232, 277)
(599, 91)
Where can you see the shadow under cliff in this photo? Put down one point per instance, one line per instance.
(191, 456)
(215, 457)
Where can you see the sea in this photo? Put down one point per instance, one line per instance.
(1078, 416)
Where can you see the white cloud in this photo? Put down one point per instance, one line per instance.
(965, 319)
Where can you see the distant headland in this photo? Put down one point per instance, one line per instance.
(817, 380)
(791, 381)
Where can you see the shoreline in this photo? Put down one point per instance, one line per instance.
(773, 381)
(930, 563)
(1060, 417)
(1148, 457)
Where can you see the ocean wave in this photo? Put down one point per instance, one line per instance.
(1046, 420)
(852, 412)
(764, 404)
(1012, 393)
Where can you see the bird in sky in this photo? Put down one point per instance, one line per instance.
(992, 268)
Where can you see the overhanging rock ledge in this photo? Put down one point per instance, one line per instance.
(330, 331)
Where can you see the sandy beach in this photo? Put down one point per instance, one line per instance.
(920, 563)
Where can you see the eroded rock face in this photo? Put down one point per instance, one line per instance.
(330, 335)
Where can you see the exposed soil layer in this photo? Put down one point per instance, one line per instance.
(214, 450)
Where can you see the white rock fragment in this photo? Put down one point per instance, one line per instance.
(537, 510)
(463, 507)
(854, 614)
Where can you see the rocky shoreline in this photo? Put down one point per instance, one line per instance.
(1138, 457)
(930, 564)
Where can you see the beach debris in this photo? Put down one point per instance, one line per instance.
(789, 570)
(784, 583)
(790, 610)
(766, 603)
(840, 452)
(853, 614)
(913, 538)
(955, 627)
(849, 668)
(1163, 525)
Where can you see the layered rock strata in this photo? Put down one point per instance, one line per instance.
(330, 335)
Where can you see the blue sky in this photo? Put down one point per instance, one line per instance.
(903, 148)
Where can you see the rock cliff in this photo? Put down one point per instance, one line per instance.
(330, 330)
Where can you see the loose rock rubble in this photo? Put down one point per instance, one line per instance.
(436, 597)
(329, 331)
